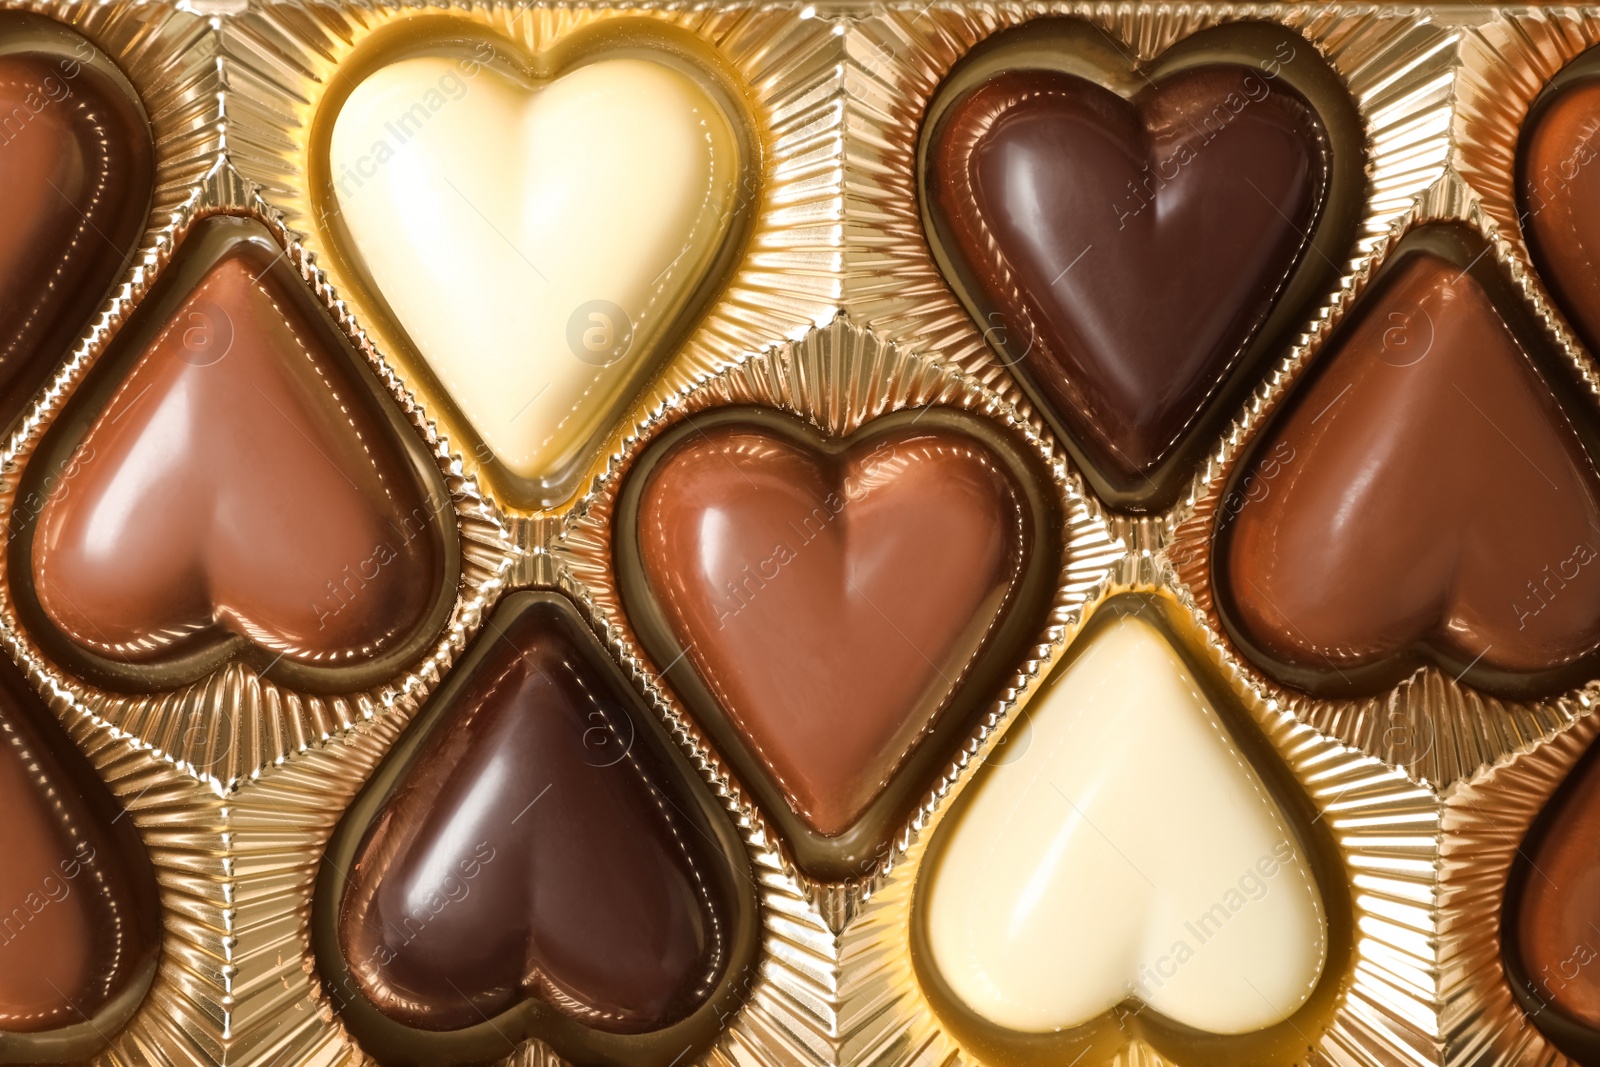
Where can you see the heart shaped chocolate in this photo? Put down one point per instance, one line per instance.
(1558, 191)
(1146, 853)
(542, 231)
(833, 611)
(77, 179)
(1551, 924)
(535, 860)
(1435, 501)
(1135, 243)
(231, 480)
(80, 933)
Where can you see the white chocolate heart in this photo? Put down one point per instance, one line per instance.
(1129, 850)
(517, 231)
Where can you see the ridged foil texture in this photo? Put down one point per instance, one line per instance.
(838, 313)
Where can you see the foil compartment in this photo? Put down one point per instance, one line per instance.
(1484, 822)
(236, 785)
(786, 282)
(1384, 826)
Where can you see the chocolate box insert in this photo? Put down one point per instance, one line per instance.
(834, 611)
(231, 480)
(1137, 242)
(536, 859)
(549, 312)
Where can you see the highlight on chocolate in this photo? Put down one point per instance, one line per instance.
(754, 534)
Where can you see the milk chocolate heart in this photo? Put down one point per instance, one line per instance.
(535, 860)
(1550, 929)
(80, 921)
(1558, 192)
(1135, 242)
(542, 230)
(77, 175)
(1436, 499)
(1146, 866)
(232, 481)
(833, 611)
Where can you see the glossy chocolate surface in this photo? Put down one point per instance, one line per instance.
(1552, 917)
(1435, 497)
(242, 483)
(80, 923)
(1558, 192)
(831, 601)
(1124, 245)
(1045, 758)
(535, 861)
(77, 167)
(564, 232)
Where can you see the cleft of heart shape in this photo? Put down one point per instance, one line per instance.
(1434, 499)
(835, 599)
(1123, 252)
(1130, 852)
(539, 242)
(241, 484)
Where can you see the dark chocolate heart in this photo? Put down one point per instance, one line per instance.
(821, 604)
(1551, 924)
(1126, 253)
(80, 919)
(76, 179)
(1558, 192)
(534, 860)
(234, 483)
(1433, 496)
